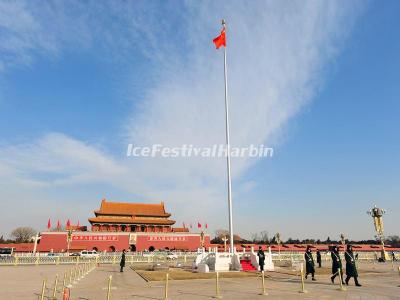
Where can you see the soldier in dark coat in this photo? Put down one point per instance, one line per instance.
(261, 258)
(336, 264)
(309, 263)
(122, 262)
(351, 268)
(319, 260)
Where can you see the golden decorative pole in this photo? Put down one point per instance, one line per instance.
(109, 287)
(303, 289)
(166, 286)
(217, 293)
(43, 290)
(342, 288)
(263, 291)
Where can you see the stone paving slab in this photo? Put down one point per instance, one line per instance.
(24, 282)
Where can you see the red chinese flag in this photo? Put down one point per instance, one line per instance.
(220, 40)
(58, 224)
(198, 225)
(68, 223)
(206, 225)
(48, 224)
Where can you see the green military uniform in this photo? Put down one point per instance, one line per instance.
(336, 264)
(308, 257)
(351, 268)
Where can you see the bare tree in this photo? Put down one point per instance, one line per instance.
(23, 234)
(254, 237)
(264, 237)
(220, 233)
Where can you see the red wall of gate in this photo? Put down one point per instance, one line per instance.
(57, 242)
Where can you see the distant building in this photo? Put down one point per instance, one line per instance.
(131, 226)
(132, 217)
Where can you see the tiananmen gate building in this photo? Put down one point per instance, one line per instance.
(120, 225)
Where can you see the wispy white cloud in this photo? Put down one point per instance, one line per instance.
(276, 55)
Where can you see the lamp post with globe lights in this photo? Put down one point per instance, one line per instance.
(377, 214)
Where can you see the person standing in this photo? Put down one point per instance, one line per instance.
(309, 263)
(319, 261)
(261, 258)
(351, 268)
(394, 256)
(336, 264)
(122, 262)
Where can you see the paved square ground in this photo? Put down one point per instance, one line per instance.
(380, 281)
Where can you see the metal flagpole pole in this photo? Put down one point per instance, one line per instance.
(228, 150)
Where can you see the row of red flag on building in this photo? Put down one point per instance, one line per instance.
(67, 224)
(199, 225)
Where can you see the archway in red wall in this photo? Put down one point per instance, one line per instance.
(151, 248)
(112, 249)
(95, 249)
(132, 248)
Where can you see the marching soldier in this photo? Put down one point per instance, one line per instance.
(351, 268)
(336, 264)
(309, 263)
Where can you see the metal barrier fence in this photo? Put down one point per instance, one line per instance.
(101, 259)
(150, 258)
(299, 256)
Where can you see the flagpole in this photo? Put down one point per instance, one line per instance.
(228, 156)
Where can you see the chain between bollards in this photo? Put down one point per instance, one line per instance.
(303, 290)
(166, 286)
(263, 291)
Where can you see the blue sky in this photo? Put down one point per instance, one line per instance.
(316, 81)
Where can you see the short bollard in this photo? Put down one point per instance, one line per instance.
(109, 287)
(303, 290)
(55, 287)
(64, 280)
(263, 291)
(70, 279)
(217, 293)
(166, 286)
(342, 288)
(43, 290)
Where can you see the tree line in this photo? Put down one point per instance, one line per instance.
(263, 238)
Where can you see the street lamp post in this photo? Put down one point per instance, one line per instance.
(377, 214)
(278, 241)
(343, 239)
(69, 237)
(224, 239)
